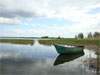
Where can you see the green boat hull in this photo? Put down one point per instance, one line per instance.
(68, 50)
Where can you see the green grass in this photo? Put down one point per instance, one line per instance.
(70, 41)
(17, 41)
(67, 41)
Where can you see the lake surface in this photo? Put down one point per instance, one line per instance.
(39, 59)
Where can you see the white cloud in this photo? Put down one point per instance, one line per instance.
(9, 21)
(74, 10)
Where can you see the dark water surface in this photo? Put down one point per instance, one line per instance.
(38, 59)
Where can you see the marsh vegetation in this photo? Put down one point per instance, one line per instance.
(17, 41)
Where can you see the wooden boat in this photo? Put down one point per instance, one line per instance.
(69, 49)
(62, 58)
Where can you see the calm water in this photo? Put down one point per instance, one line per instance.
(38, 59)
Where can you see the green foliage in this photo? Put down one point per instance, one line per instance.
(17, 41)
(44, 37)
(71, 41)
(96, 35)
(59, 37)
(90, 35)
(80, 36)
(76, 37)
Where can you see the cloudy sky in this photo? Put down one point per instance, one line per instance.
(48, 17)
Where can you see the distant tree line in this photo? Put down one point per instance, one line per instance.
(96, 35)
(79, 36)
(52, 37)
(44, 37)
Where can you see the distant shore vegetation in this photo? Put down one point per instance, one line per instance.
(95, 35)
(80, 39)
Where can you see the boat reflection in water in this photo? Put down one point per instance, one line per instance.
(62, 58)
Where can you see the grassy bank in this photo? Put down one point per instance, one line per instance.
(17, 41)
(70, 41)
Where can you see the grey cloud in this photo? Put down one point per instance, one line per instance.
(18, 8)
(6, 13)
(35, 8)
(31, 8)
